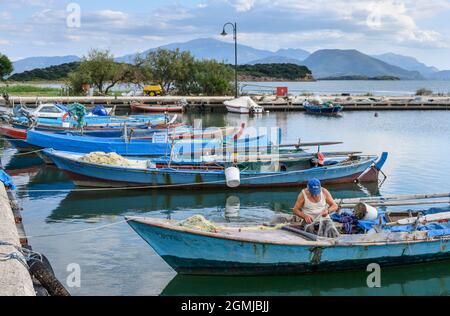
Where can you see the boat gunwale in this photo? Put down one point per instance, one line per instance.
(324, 242)
(69, 156)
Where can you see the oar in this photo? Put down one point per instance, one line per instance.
(254, 156)
(422, 220)
(400, 197)
(395, 203)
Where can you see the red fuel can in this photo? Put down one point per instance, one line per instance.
(282, 91)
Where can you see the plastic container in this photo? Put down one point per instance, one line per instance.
(233, 177)
(370, 212)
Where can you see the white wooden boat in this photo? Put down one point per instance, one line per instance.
(243, 105)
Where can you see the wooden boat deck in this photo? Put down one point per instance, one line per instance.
(267, 235)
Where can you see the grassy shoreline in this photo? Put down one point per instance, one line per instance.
(30, 90)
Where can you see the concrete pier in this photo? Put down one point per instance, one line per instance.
(271, 103)
(15, 279)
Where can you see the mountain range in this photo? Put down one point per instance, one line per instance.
(31, 63)
(323, 63)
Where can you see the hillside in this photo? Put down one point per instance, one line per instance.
(273, 72)
(276, 60)
(323, 63)
(208, 48)
(52, 73)
(406, 62)
(294, 53)
(337, 63)
(42, 62)
(440, 75)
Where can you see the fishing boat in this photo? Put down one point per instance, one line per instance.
(243, 105)
(58, 111)
(144, 173)
(93, 121)
(136, 106)
(158, 144)
(16, 137)
(57, 116)
(316, 106)
(197, 246)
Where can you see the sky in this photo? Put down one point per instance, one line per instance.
(418, 28)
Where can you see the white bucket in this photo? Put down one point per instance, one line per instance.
(233, 177)
(66, 124)
(371, 213)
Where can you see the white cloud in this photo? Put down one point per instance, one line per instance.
(112, 15)
(242, 5)
(270, 24)
(4, 42)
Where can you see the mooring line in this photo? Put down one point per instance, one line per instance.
(193, 184)
(24, 153)
(77, 231)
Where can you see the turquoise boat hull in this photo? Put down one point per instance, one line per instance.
(196, 252)
(89, 174)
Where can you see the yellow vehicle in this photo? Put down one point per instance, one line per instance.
(153, 90)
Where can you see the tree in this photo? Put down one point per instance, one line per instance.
(172, 69)
(6, 66)
(213, 78)
(99, 69)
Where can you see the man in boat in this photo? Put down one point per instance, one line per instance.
(314, 201)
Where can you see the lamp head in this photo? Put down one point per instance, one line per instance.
(224, 33)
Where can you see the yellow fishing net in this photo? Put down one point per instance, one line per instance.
(200, 223)
(106, 159)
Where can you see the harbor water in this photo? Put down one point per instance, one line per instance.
(88, 229)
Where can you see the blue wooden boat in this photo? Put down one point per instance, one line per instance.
(141, 174)
(160, 145)
(258, 250)
(327, 108)
(99, 121)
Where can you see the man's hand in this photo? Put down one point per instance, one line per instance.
(325, 213)
(308, 219)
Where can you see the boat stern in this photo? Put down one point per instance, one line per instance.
(372, 174)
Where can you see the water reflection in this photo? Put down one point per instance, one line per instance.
(18, 164)
(234, 205)
(423, 279)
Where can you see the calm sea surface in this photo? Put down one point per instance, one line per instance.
(69, 227)
(354, 87)
(323, 87)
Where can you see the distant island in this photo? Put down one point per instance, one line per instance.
(52, 73)
(274, 72)
(258, 72)
(356, 77)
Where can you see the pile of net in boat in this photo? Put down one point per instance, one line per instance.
(106, 159)
(198, 222)
(323, 227)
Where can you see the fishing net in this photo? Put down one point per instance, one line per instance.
(79, 111)
(107, 159)
(323, 227)
(198, 222)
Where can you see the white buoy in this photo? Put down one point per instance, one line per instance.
(371, 213)
(233, 177)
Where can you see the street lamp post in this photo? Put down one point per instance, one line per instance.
(224, 33)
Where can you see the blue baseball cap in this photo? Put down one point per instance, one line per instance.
(314, 187)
